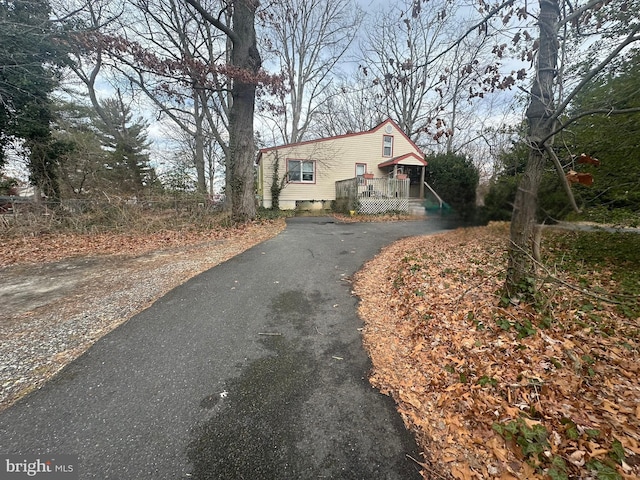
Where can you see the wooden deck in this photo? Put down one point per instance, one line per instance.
(373, 196)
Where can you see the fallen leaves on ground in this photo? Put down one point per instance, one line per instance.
(50, 247)
(494, 390)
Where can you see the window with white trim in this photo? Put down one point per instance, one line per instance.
(301, 171)
(387, 146)
(361, 169)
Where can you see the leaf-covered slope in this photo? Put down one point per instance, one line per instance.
(496, 390)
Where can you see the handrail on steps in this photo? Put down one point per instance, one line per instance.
(434, 192)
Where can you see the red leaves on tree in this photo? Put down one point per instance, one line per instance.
(582, 178)
(184, 70)
(588, 160)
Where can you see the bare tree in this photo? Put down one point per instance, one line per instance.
(350, 106)
(418, 80)
(308, 39)
(184, 146)
(160, 54)
(194, 97)
(87, 63)
(457, 110)
(165, 50)
(546, 105)
(396, 45)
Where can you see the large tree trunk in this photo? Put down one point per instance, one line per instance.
(244, 55)
(521, 267)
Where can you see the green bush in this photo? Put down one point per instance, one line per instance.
(498, 204)
(455, 178)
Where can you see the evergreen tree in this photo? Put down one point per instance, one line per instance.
(552, 201)
(82, 167)
(127, 166)
(28, 56)
(614, 140)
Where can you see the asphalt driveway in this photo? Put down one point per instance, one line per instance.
(251, 370)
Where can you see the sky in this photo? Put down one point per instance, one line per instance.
(157, 129)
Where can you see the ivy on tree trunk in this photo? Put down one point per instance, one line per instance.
(244, 55)
(246, 63)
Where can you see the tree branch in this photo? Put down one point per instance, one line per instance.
(606, 111)
(594, 71)
(576, 13)
(559, 280)
(492, 13)
(563, 177)
(213, 20)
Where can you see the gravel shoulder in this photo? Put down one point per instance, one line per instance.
(54, 311)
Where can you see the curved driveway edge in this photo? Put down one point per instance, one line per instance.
(251, 370)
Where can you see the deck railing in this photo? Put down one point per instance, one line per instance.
(372, 196)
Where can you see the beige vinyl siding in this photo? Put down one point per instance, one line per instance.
(335, 159)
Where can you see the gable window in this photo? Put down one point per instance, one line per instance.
(361, 169)
(387, 146)
(301, 171)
